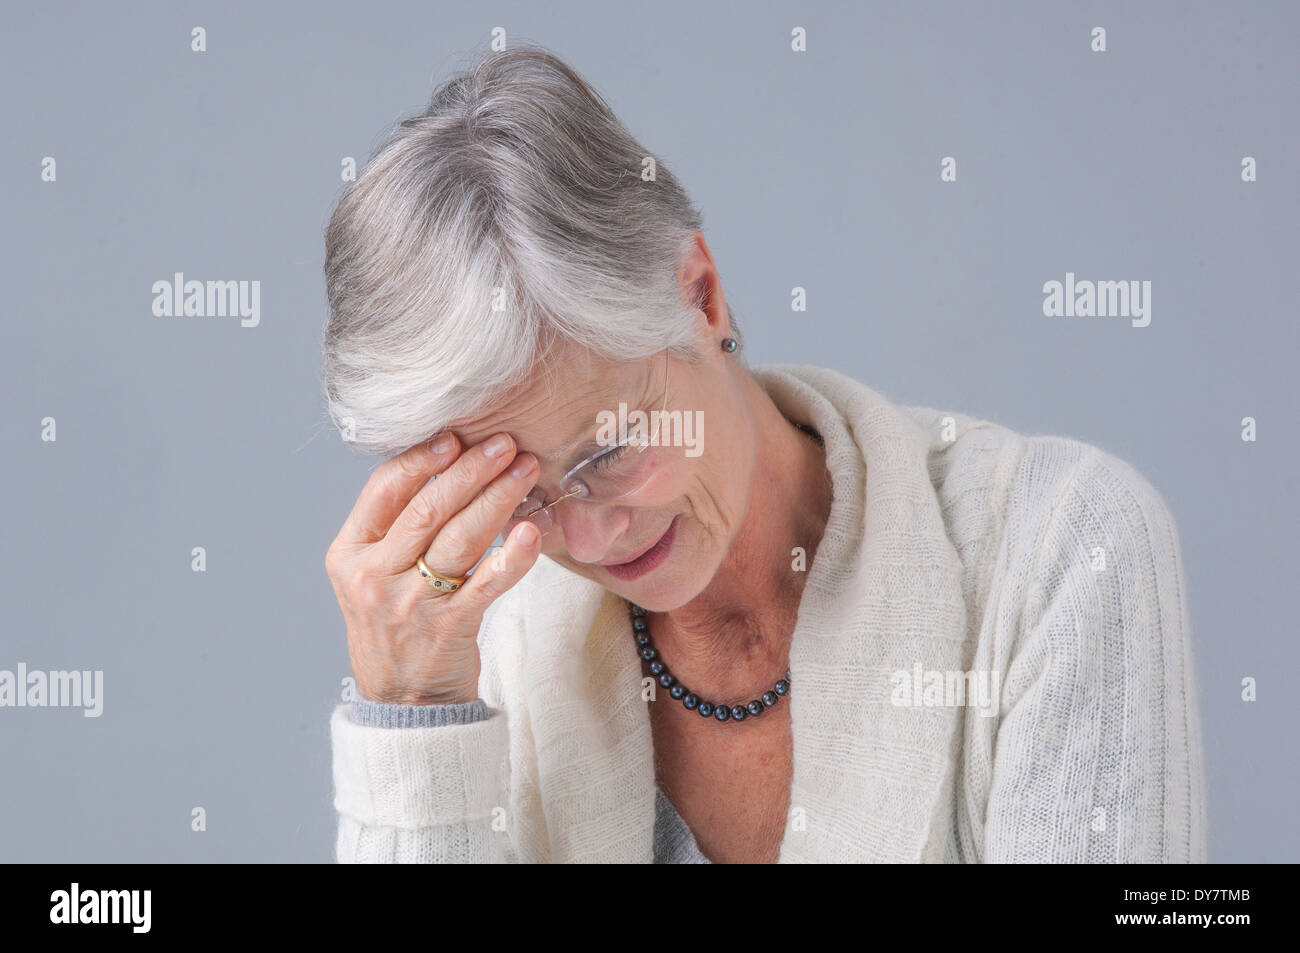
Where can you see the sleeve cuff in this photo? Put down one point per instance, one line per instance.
(419, 777)
(382, 715)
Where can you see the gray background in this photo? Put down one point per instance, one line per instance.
(817, 169)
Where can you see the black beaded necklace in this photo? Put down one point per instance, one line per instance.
(690, 701)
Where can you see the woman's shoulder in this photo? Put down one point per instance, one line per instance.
(1005, 484)
(1082, 492)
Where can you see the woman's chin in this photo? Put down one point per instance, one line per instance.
(662, 598)
(671, 586)
(664, 581)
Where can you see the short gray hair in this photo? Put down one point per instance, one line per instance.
(508, 217)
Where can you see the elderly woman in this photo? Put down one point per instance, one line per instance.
(738, 614)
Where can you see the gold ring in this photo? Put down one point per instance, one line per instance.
(444, 584)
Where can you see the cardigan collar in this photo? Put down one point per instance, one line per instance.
(883, 595)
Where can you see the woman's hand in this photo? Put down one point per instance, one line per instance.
(408, 644)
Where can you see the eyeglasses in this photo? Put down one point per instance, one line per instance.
(606, 476)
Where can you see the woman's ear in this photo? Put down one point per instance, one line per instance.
(701, 286)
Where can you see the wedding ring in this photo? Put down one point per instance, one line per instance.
(445, 585)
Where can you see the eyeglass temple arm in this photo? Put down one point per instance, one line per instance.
(662, 413)
(550, 504)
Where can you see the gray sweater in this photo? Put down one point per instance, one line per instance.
(673, 841)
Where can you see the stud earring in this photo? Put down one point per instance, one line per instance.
(729, 345)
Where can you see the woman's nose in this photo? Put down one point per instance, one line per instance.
(591, 532)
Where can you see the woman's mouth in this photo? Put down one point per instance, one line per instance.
(648, 560)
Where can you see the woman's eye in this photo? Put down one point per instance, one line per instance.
(609, 457)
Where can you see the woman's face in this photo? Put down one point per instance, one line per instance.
(671, 510)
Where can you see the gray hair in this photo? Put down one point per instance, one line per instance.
(510, 216)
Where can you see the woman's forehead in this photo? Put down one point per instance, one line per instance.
(558, 410)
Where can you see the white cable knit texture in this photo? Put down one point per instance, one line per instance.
(1042, 559)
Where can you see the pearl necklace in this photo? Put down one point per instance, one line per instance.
(690, 701)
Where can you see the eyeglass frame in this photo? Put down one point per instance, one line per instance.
(572, 470)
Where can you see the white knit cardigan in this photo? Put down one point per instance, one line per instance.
(953, 545)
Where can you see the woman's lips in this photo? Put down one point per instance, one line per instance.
(648, 560)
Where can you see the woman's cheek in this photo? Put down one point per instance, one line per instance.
(670, 479)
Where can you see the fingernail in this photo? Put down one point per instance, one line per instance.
(523, 467)
(540, 521)
(442, 443)
(497, 445)
(528, 534)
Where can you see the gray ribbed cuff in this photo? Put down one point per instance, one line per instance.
(384, 715)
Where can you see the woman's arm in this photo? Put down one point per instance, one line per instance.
(421, 784)
(1098, 755)
(427, 783)
(437, 792)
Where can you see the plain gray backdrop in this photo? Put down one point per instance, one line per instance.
(817, 169)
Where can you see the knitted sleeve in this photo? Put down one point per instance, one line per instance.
(424, 783)
(1098, 754)
(431, 794)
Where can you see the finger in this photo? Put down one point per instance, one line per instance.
(391, 487)
(414, 528)
(500, 571)
(463, 538)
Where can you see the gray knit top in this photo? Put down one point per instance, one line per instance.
(673, 841)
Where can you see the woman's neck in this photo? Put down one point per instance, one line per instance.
(734, 638)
